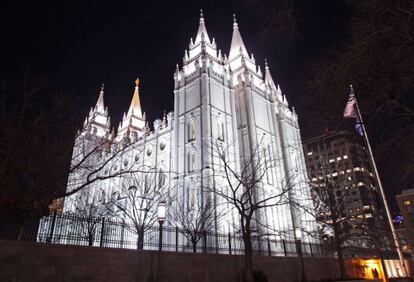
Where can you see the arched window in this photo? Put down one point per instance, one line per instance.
(220, 130)
(191, 130)
(161, 178)
(192, 160)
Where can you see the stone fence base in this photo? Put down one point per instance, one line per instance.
(27, 261)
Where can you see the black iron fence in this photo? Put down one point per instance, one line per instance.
(69, 229)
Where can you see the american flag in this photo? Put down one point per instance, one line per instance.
(350, 111)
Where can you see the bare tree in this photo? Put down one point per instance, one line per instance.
(137, 207)
(97, 159)
(38, 135)
(88, 212)
(376, 56)
(243, 190)
(193, 217)
(341, 216)
(36, 140)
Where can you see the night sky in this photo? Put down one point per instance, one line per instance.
(77, 45)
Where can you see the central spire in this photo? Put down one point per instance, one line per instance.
(237, 45)
(100, 107)
(202, 31)
(268, 77)
(135, 107)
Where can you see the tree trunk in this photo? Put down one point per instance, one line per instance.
(340, 258)
(194, 246)
(140, 241)
(90, 239)
(338, 249)
(248, 259)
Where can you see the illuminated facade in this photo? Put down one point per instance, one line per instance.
(217, 99)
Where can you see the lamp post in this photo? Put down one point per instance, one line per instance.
(161, 219)
(300, 253)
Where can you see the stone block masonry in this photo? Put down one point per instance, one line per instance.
(28, 261)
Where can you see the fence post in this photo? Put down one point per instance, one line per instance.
(176, 239)
(52, 229)
(102, 232)
(259, 244)
(229, 236)
(284, 247)
(217, 251)
(310, 247)
(268, 247)
(205, 241)
(122, 235)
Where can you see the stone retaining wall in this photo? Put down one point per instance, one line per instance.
(28, 261)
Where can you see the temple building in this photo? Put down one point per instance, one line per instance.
(220, 100)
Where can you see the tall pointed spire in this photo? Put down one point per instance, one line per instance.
(100, 107)
(268, 77)
(237, 45)
(135, 107)
(202, 31)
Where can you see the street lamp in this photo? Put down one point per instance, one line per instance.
(161, 219)
(300, 253)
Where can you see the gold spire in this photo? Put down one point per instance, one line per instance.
(135, 107)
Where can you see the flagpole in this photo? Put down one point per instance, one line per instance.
(384, 200)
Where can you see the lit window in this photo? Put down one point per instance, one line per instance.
(407, 202)
(310, 153)
(361, 184)
(342, 172)
(349, 170)
(191, 131)
(335, 174)
(368, 215)
(331, 160)
(220, 131)
(191, 161)
(338, 158)
(357, 169)
(345, 157)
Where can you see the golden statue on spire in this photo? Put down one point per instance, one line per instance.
(137, 82)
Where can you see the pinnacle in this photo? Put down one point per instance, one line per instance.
(237, 45)
(202, 34)
(100, 103)
(135, 107)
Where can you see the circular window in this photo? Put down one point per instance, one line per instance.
(162, 145)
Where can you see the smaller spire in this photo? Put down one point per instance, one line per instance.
(100, 103)
(235, 25)
(202, 34)
(201, 16)
(268, 77)
(135, 107)
(164, 119)
(237, 45)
